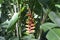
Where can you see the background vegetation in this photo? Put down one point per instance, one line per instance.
(46, 15)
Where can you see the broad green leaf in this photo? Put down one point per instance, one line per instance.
(14, 19)
(55, 18)
(47, 26)
(53, 34)
(57, 5)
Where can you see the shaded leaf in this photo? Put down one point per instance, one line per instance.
(55, 18)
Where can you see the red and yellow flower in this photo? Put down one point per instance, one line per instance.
(30, 24)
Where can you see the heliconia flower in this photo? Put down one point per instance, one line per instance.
(30, 18)
(28, 14)
(27, 26)
(32, 31)
(28, 29)
(30, 24)
(27, 32)
(32, 28)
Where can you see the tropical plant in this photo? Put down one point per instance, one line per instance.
(29, 19)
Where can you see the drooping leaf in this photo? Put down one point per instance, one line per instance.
(12, 21)
(47, 26)
(53, 34)
(55, 18)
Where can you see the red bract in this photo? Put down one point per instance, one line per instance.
(29, 14)
(30, 24)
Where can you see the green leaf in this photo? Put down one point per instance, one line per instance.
(53, 34)
(57, 5)
(12, 22)
(47, 26)
(55, 18)
(14, 19)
